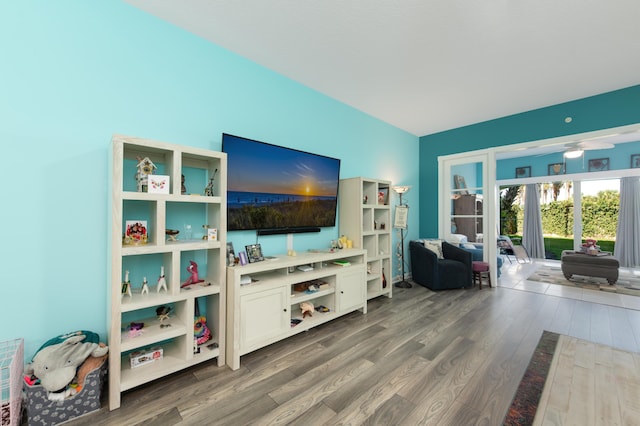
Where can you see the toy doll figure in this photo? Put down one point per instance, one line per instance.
(162, 282)
(194, 278)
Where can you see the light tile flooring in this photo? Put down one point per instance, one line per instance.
(514, 275)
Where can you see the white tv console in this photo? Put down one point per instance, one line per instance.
(261, 312)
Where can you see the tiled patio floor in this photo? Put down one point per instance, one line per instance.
(514, 275)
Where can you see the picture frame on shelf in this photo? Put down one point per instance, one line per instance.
(254, 253)
(158, 184)
(554, 169)
(523, 172)
(135, 232)
(635, 161)
(383, 196)
(598, 164)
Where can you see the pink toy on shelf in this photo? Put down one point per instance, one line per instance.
(193, 279)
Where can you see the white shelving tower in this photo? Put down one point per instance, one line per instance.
(365, 219)
(174, 335)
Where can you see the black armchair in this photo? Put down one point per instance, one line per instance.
(454, 271)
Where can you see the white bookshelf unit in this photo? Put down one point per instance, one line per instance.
(367, 222)
(264, 297)
(162, 211)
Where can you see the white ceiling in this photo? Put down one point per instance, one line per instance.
(429, 65)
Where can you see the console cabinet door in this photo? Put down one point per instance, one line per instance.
(265, 315)
(351, 291)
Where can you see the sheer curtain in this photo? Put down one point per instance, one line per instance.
(532, 238)
(627, 248)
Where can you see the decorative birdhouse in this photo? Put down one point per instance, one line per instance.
(145, 168)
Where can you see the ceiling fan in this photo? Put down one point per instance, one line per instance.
(576, 149)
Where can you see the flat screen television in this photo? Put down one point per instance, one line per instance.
(278, 190)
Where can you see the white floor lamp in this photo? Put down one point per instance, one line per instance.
(400, 222)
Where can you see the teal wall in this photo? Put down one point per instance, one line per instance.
(619, 159)
(612, 109)
(76, 72)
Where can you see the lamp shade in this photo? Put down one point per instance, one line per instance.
(401, 189)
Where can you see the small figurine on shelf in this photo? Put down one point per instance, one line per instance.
(307, 309)
(126, 285)
(163, 312)
(205, 235)
(145, 168)
(208, 191)
(162, 282)
(183, 188)
(145, 286)
(135, 329)
(194, 278)
(201, 332)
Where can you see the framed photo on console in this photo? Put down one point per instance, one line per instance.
(231, 254)
(254, 253)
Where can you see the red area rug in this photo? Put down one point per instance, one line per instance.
(525, 402)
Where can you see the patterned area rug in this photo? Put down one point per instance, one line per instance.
(525, 402)
(628, 282)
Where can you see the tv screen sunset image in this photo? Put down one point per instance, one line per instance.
(270, 187)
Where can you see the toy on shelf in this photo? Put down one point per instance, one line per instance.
(208, 191)
(307, 309)
(163, 313)
(201, 332)
(126, 285)
(162, 282)
(194, 278)
(135, 329)
(145, 286)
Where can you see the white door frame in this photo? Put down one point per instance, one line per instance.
(490, 201)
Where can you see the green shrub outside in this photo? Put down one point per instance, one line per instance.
(599, 221)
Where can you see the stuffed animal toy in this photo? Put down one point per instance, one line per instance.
(307, 309)
(56, 362)
(194, 278)
(90, 364)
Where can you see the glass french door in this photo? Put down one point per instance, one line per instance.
(468, 202)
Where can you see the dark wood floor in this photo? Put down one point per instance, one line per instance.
(447, 358)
